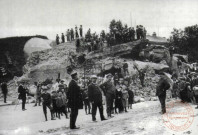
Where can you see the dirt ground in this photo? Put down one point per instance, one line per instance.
(143, 119)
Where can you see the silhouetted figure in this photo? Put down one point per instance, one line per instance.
(81, 31)
(74, 100)
(95, 97)
(63, 38)
(47, 102)
(161, 88)
(4, 90)
(76, 32)
(22, 95)
(110, 93)
(68, 35)
(72, 34)
(57, 39)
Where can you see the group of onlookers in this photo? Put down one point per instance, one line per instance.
(70, 35)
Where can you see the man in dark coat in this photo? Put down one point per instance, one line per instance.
(22, 95)
(76, 32)
(161, 88)
(57, 39)
(95, 97)
(46, 97)
(63, 38)
(4, 90)
(72, 34)
(74, 100)
(110, 93)
(81, 31)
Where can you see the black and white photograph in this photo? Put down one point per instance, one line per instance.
(99, 67)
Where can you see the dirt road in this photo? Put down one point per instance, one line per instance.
(143, 119)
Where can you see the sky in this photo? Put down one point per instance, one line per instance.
(51, 17)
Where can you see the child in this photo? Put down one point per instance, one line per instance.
(54, 97)
(131, 97)
(61, 104)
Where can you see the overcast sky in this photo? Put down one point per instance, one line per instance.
(51, 17)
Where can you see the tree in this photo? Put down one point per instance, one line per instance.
(112, 25)
(186, 41)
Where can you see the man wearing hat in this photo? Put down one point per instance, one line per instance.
(161, 88)
(74, 100)
(95, 97)
(110, 93)
(46, 98)
(76, 32)
(81, 31)
(22, 94)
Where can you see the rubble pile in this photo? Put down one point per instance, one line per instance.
(147, 93)
(51, 62)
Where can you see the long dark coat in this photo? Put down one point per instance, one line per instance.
(131, 96)
(4, 88)
(118, 100)
(162, 86)
(74, 96)
(22, 92)
(94, 93)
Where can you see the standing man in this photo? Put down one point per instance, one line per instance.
(74, 100)
(142, 74)
(68, 35)
(125, 68)
(63, 38)
(38, 93)
(95, 97)
(138, 32)
(57, 39)
(22, 94)
(46, 98)
(76, 32)
(81, 31)
(132, 34)
(161, 88)
(4, 90)
(72, 34)
(110, 93)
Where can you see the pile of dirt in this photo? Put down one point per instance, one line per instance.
(47, 64)
(148, 92)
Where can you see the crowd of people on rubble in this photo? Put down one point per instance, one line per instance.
(116, 36)
(70, 35)
(93, 41)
